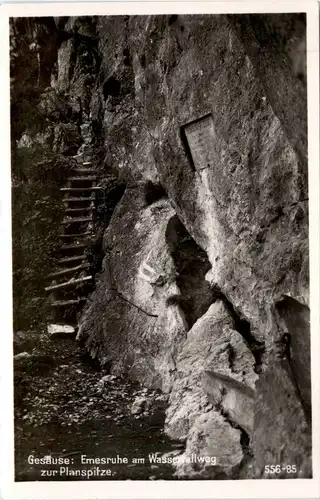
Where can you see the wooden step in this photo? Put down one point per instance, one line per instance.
(75, 220)
(82, 178)
(83, 159)
(63, 303)
(71, 259)
(77, 210)
(75, 235)
(77, 189)
(84, 170)
(82, 199)
(72, 282)
(69, 270)
(81, 156)
(75, 245)
(61, 329)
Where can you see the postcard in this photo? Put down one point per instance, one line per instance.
(160, 217)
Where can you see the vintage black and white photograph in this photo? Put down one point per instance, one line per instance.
(160, 247)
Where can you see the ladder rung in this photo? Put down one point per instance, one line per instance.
(86, 157)
(77, 219)
(68, 270)
(71, 259)
(86, 178)
(61, 303)
(75, 235)
(77, 210)
(73, 189)
(68, 283)
(84, 198)
(83, 170)
(87, 153)
(75, 245)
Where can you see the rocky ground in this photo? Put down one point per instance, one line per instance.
(66, 406)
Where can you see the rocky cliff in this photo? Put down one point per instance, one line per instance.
(203, 291)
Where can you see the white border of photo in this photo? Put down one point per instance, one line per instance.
(289, 488)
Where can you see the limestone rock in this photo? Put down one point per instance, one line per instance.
(251, 207)
(248, 211)
(134, 293)
(22, 356)
(235, 399)
(281, 433)
(106, 379)
(171, 454)
(64, 63)
(190, 408)
(138, 405)
(213, 449)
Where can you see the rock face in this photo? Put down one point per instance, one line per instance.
(212, 344)
(235, 400)
(205, 271)
(278, 437)
(295, 318)
(148, 348)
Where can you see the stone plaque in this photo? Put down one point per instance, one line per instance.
(200, 135)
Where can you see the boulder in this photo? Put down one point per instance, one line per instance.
(22, 356)
(213, 449)
(192, 410)
(138, 405)
(235, 399)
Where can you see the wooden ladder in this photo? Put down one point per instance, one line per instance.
(70, 282)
